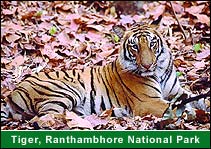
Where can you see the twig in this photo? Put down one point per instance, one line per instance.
(183, 32)
(188, 100)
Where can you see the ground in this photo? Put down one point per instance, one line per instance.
(45, 36)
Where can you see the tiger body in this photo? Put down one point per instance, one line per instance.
(142, 80)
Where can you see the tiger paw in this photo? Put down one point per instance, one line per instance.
(48, 121)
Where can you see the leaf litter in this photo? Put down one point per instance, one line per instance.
(43, 36)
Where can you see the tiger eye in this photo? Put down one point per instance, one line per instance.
(135, 47)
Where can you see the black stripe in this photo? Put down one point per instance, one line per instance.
(161, 52)
(56, 84)
(109, 74)
(84, 100)
(28, 96)
(167, 72)
(57, 74)
(66, 74)
(78, 113)
(74, 102)
(51, 95)
(44, 112)
(152, 87)
(168, 75)
(92, 92)
(102, 105)
(131, 92)
(92, 103)
(79, 80)
(62, 95)
(117, 78)
(155, 78)
(47, 75)
(97, 75)
(19, 109)
(107, 91)
(175, 81)
(152, 96)
(73, 70)
(71, 89)
(3, 112)
(125, 49)
(65, 78)
(24, 100)
(61, 104)
(92, 80)
(45, 87)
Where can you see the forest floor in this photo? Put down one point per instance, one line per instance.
(45, 36)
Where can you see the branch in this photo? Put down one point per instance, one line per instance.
(188, 100)
(183, 32)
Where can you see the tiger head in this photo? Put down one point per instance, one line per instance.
(140, 50)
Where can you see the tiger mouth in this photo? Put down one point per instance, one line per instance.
(144, 73)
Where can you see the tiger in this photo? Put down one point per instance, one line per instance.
(141, 80)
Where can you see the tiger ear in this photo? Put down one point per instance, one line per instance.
(157, 21)
(119, 30)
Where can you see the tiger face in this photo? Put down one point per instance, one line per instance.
(140, 50)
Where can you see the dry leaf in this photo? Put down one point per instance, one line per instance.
(75, 121)
(96, 120)
(194, 9)
(107, 113)
(202, 55)
(12, 37)
(203, 18)
(19, 60)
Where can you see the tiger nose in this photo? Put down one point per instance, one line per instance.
(147, 66)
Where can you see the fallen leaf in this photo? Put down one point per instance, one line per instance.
(199, 65)
(178, 8)
(28, 15)
(99, 28)
(63, 38)
(12, 37)
(202, 55)
(94, 36)
(194, 9)
(107, 113)
(29, 46)
(126, 19)
(44, 26)
(74, 121)
(189, 126)
(107, 53)
(157, 11)
(45, 38)
(52, 121)
(202, 116)
(203, 18)
(96, 120)
(19, 60)
(9, 11)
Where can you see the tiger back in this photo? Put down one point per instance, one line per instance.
(141, 81)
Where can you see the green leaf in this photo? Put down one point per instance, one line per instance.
(52, 30)
(197, 47)
(179, 73)
(39, 13)
(116, 38)
(113, 11)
